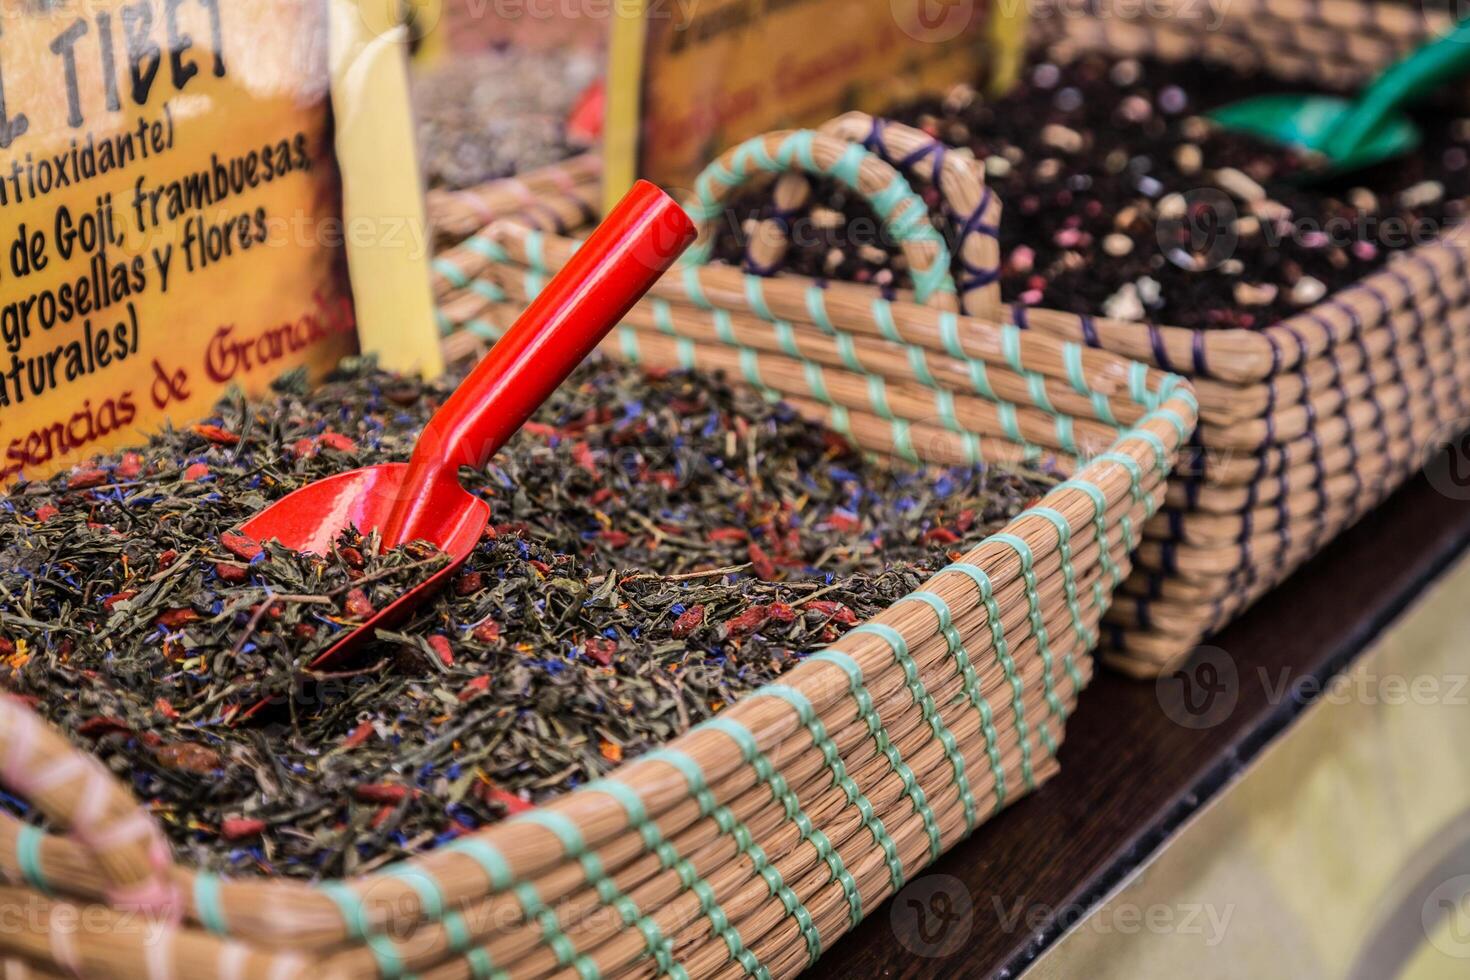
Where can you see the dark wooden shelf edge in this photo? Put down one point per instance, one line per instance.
(1131, 776)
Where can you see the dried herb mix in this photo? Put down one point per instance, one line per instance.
(660, 545)
(1122, 200)
(493, 115)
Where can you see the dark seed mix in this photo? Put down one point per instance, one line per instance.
(660, 545)
(1121, 199)
(493, 115)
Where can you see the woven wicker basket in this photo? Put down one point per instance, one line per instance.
(560, 196)
(752, 842)
(1307, 424)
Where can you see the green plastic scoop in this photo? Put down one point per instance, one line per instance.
(1352, 134)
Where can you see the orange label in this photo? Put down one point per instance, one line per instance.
(693, 79)
(170, 215)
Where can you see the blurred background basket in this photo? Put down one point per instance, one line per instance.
(559, 197)
(1309, 423)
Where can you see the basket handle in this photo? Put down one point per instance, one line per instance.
(74, 791)
(974, 207)
(902, 211)
(959, 178)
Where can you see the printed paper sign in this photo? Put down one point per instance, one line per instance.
(690, 78)
(170, 215)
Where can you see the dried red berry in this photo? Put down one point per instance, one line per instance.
(747, 622)
(834, 611)
(166, 709)
(45, 512)
(475, 688)
(215, 434)
(382, 793)
(469, 583)
(600, 650)
(940, 535)
(103, 725)
(487, 632)
(234, 574)
(358, 605)
(174, 618)
(117, 597)
(196, 472)
(337, 441)
(241, 828)
(167, 558)
(615, 539)
(513, 804)
(761, 563)
(439, 643)
(359, 735)
(130, 467)
(352, 557)
(689, 620)
(188, 757)
(726, 534)
(582, 456)
(242, 546)
(85, 479)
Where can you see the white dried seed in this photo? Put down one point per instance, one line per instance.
(1246, 226)
(1061, 138)
(1117, 245)
(1149, 289)
(826, 218)
(1188, 158)
(1124, 304)
(1254, 294)
(1307, 291)
(1196, 128)
(1125, 72)
(1173, 206)
(1238, 183)
(1270, 210)
(1422, 193)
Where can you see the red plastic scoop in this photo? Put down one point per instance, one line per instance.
(422, 499)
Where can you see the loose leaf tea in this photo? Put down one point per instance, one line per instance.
(659, 546)
(1122, 199)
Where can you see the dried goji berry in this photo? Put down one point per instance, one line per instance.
(689, 620)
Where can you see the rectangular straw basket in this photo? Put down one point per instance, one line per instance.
(1309, 423)
(752, 842)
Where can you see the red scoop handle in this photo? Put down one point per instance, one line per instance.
(634, 245)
